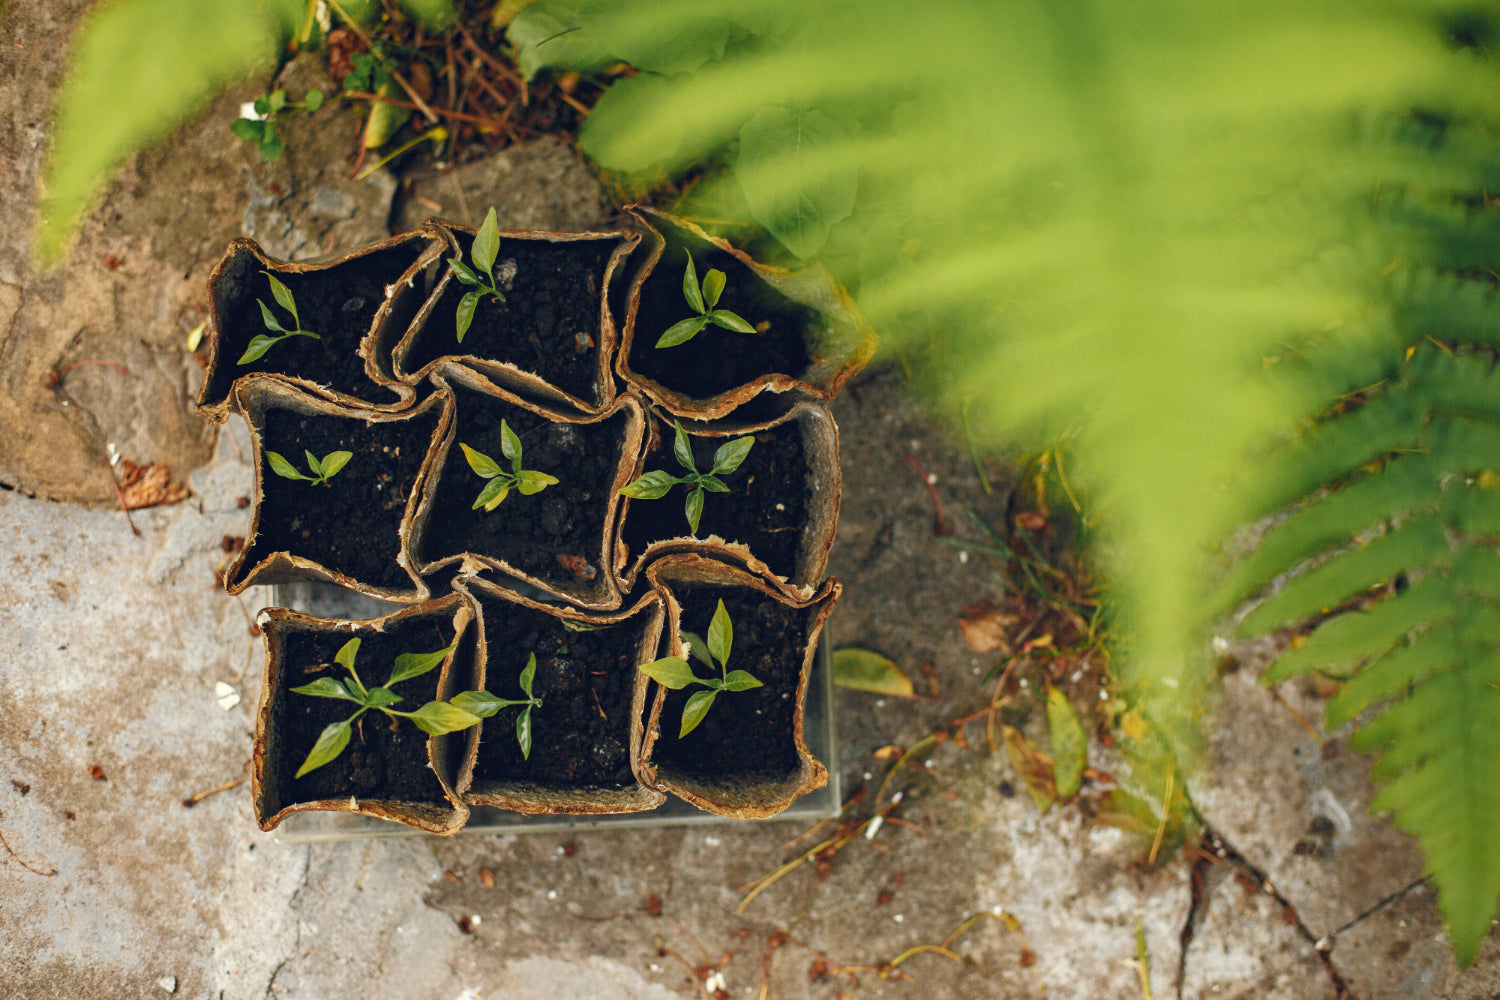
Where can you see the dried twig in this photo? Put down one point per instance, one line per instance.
(35, 871)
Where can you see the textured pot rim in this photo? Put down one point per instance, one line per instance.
(812, 286)
(251, 396)
(216, 409)
(765, 799)
(419, 815)
(821, 448)
(507, 373)
(607, 594)
(533, 798)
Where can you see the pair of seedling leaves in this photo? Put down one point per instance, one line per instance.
(526, 481)
(435, 717)
(655, 485)
(676, 673)
(263, 342)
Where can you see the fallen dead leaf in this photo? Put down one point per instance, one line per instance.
(148, 485)
(985, 627)
(577, 565)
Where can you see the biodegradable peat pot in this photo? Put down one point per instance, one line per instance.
(552, 338)
(747, 759)
(353, 530)
(389, 771)
(342, 300)
(810, 338)
(561, 540)
(586, 736)
(780, 514)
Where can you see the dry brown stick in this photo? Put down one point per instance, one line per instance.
(34, 871)
(940, 528)
(193, 800)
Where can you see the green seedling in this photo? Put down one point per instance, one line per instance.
(263, 342)
(501, 482)
(655, 485)
(480, 277)
(435, 717)
(270, 109)
(322, 471)
(676, 673)
(703, 300)
(483, 704)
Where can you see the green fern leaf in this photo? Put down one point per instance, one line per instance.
(1424, 660)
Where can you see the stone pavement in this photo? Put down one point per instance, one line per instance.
(128, 683)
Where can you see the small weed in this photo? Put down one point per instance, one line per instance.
(435, 717)
(263, 342)
(322, 470)
(502, 482)
(676, 673)
(702, 299)
(483, 704)
(271, 109)
(481, 277)
(655, 485)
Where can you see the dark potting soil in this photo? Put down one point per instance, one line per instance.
(765, 508)
(745, 734)
(350, 525)
(580, 737)
(338, 304)
(386, 758)
(548, 323)
(716, 359)
(556, 535)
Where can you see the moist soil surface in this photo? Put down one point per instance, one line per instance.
(746, 734)
(716, 360)
(557, 535)
(338, 304)
(765, 508)
(580, 737)
(386, 758)
(548, 323)
(352, 524)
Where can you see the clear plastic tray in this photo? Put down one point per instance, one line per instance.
(328, 601)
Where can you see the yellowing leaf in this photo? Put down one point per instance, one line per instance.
(1069, 743)
(863, 670)
(1032, 765)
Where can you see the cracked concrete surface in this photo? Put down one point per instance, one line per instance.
(116, 644)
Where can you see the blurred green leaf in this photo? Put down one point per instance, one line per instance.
(796, 174)
(137, 70)
(862, 670)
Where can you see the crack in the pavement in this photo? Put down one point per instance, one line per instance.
(1397, 896)
(1213, 851)
(291, 905)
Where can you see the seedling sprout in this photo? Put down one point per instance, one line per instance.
(483, 704)
(322, 470)
(676, 673)
(269, 110)
(481, 277)
(703, 300)
(262, 342)
(655, 485)
(500, 484)
(435, 717)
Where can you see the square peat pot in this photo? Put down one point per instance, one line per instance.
(330, 601)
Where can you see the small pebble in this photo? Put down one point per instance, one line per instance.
(168, 983)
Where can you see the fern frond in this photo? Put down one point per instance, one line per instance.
(1425, 658)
